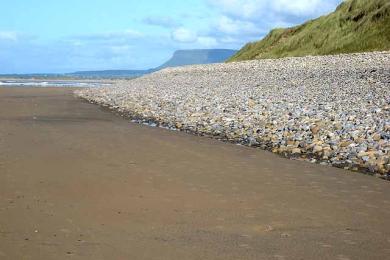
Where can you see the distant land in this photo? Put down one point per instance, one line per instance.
(355, 26)
(110, 73)
(201, 56)
(179, 58)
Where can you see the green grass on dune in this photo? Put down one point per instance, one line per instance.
(355, 26)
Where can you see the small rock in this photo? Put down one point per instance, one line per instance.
(296, 151)
(315, 130)
(345, 143)
(376, 137)
(362, 154)
(317, 149)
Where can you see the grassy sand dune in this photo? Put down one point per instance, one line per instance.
(355, 26)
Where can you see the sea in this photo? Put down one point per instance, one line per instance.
(51, 83)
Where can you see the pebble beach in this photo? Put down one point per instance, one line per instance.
(333, 110)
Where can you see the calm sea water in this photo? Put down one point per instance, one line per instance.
(51, 83)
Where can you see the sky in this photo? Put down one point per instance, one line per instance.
(46, 36)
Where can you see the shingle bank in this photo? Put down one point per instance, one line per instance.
(329, 109)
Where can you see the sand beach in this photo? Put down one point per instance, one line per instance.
(79, 182)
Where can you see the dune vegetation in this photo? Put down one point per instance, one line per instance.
(355, 26)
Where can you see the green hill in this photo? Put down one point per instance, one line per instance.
(355, 26)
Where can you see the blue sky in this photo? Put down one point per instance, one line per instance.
(38, 36)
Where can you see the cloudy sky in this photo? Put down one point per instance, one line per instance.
(38, 36)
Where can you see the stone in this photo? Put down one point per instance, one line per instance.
(337, 126)
(376, 137)
(344, 143)
(296, 151)
(315, 130)
(362, 154)
(251, 103)
(290, 142)
(317, 149)
(327, 152)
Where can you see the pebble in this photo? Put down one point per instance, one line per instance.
(296, 151)
(333, 109)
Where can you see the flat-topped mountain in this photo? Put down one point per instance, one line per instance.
(198, 56)
(355, 26)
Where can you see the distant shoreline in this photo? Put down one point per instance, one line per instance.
(21, 82)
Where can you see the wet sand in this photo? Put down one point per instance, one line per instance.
(78, 182)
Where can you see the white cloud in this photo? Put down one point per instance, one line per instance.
(184, 35)
(254, 9)
(9, 36)
(121, 49)
(132, 33)
(230, 40)
(110, 36)
(162, 21)
(207, 42)
(239, 8)
(232, 26)
(303, 7)
(76, 43)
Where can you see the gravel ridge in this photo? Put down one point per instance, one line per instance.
(332, 109)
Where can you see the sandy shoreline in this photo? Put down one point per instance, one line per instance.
(79, 182)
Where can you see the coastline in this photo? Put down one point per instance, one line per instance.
(53, 82)
(327, 130)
